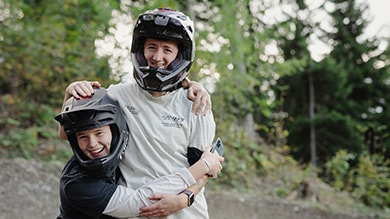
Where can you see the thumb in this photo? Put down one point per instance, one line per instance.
(155, 197)
(95, 84)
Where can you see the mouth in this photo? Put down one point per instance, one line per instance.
(158, 65)
(97, 153)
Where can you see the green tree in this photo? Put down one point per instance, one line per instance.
(45, 45)
(344, 83)
(367, 75)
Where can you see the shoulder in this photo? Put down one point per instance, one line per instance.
(76, 183)
(123, 89)
(182, 96)
(126, 85)
(88, 193)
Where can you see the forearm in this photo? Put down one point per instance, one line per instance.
(126, 202)
(199, 169)
(169, 204)
(196, 188)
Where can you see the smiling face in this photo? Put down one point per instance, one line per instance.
(160, 53)
(95, 143)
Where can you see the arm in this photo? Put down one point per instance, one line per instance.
(167, 204)
(196, 93)
(126, 202)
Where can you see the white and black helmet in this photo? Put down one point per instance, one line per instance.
(165, 24)
(88, 113)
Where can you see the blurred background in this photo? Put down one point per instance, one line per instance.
(300, 89)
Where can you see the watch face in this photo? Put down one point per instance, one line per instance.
(191, 196)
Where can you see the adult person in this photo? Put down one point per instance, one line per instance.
(98, 135)
(164, 133)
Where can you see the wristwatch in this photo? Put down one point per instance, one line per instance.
(191, 196)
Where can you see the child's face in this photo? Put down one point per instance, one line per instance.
(160, 53)
(95, 142)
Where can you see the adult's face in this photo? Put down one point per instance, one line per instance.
(95, 143)
(160, 53)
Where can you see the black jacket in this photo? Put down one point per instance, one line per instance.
(83, 196)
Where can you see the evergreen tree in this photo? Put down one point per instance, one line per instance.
(350, 91)
(367, 93)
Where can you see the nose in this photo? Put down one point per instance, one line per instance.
(92, 141)
(157, 56)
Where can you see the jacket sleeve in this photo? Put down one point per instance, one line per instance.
(126, 202)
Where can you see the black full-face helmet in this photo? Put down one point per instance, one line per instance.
(99, 110)
(163, 24)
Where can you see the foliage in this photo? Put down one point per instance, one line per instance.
(44, 45)
(22, 131)
(368, 180)
(371, 182)
(348, 86)
(338, 167)
(328, 142)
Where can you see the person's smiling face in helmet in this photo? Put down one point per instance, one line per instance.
(95, 143)
(160, 53)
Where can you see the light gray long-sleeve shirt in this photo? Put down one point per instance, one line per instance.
(161, 130)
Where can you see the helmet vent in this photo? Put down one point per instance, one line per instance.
(152, 83)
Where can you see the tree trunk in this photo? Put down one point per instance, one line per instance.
(312, 126)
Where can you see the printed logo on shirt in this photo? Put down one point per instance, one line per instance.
(133, 110)
(172, 121)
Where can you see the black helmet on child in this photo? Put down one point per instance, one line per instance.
(163, 24)
(99, 110)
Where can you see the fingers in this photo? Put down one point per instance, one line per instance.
(213, 161)
(155, 212)
(196, 106)
(208, 106)
(201, 99)
(151, 210)
(214, 174)
(167, 204)
(156, 197)
(80, 89)
(191, 94)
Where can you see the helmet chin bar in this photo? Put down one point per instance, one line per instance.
(152, 79)
(154, 71)
(160, 80)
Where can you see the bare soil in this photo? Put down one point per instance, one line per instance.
(29, 190)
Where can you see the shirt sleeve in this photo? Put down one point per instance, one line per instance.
(126, 202)
(203, 131)
(91, 196)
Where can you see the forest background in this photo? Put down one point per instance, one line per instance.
(293, 117)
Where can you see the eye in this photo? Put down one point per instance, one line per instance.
(81, 137)
(151, 47)
(168, 50)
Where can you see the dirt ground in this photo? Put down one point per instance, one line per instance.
(29, 190)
